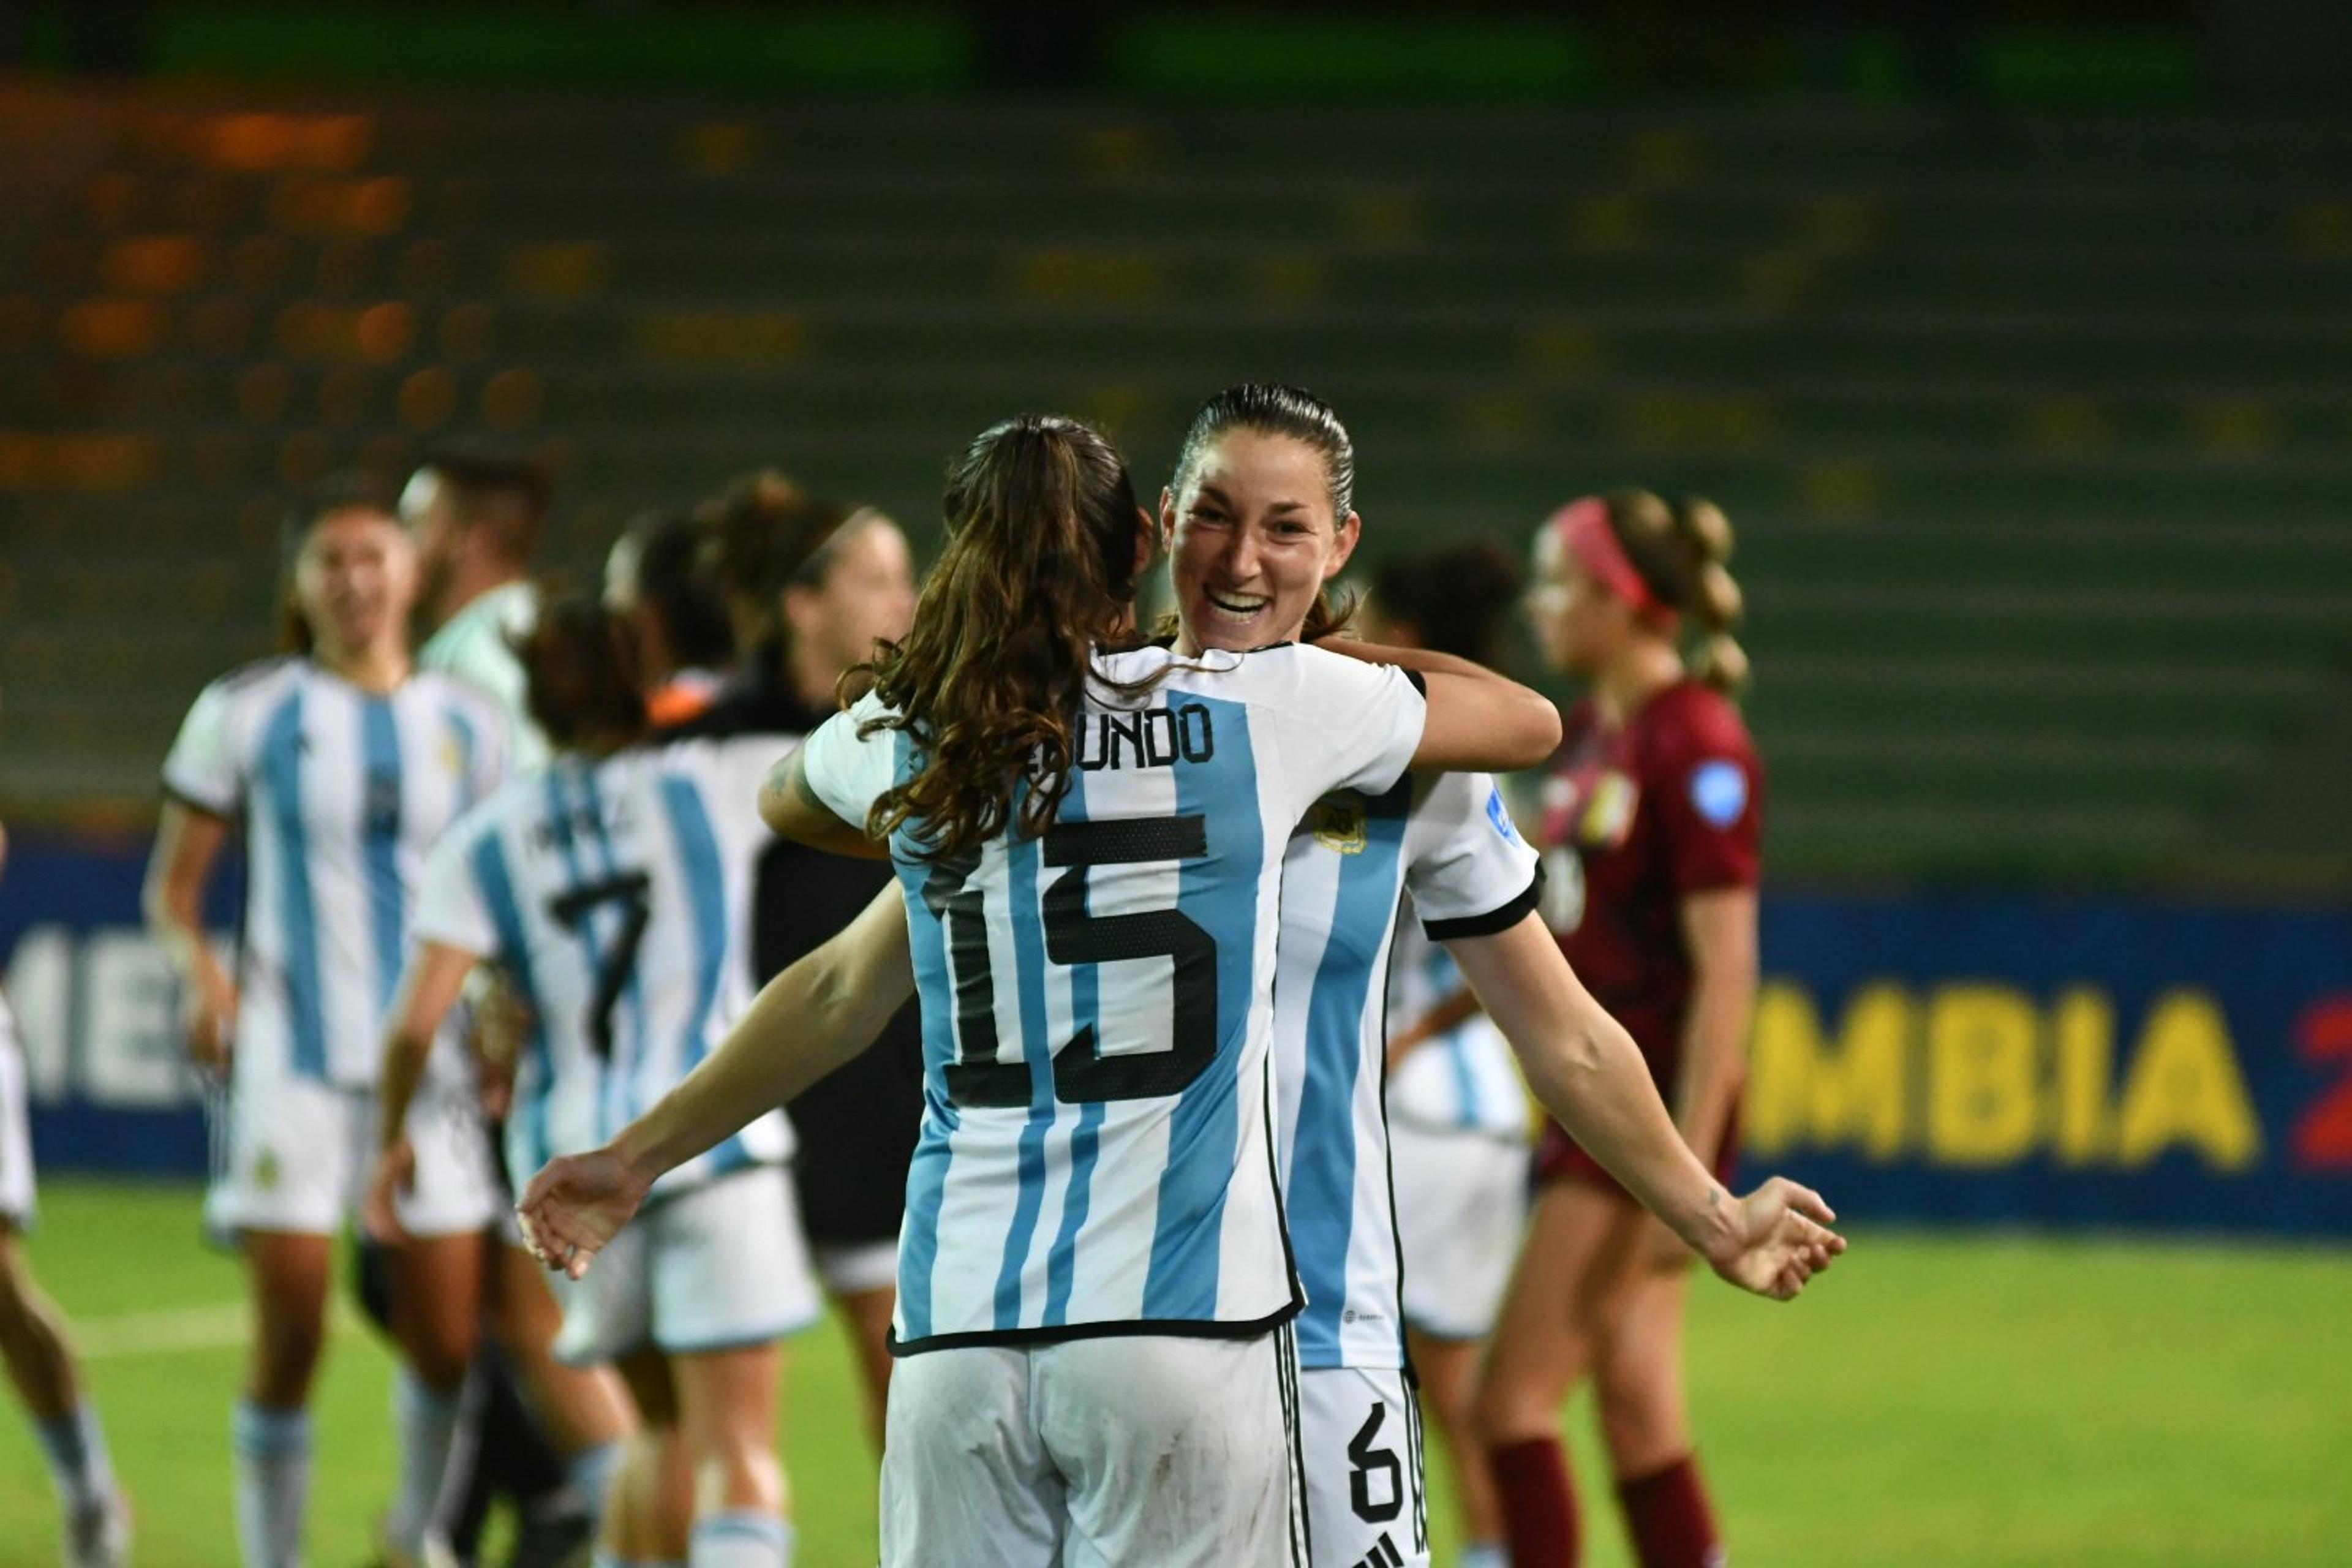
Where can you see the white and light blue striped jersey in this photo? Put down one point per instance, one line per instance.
(1096, 1150)
(1465, 1080)
(342, 793)
(1450, 842)
(616, 896)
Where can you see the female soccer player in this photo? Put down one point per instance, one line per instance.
(1651, 822)
(1089, 843)
(1259, 517)
(654, 575)
(342, 764)
(827, 584)
(613, 888)
(1459, 1120)
(35, 1350)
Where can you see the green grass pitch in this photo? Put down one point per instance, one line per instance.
(1938, 1401)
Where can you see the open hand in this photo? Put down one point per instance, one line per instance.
(1782, 1239)
(576, 1204)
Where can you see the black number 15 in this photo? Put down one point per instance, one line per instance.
(1082, 1073)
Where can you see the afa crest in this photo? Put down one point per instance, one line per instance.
(1339, 823)
(266, 1171)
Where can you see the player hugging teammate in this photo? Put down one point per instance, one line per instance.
(1148, 1273)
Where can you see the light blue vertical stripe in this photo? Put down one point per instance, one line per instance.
(705, 876)
(514, 950)
(1322, 1176)
(927, 1176)
(1219, 895)
(381, 804)
(1444, 979)
(1021, 858)
(1086, 1138)
(306, 1005)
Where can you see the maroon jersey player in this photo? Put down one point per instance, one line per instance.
(1640, 814)
(1650, 819)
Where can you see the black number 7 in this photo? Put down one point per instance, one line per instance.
(629, 889)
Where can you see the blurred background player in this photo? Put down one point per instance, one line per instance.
(1652, 819)
(341, 764)
(477, 510)
(476, 513)
(816, 589)
(657, 575)
(614, 889)
(1458, 1115)
(35, 1347)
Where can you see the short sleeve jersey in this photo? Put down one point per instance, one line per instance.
(1451, 844)
(1096, 1150)
(341, 793)
(616, 895)
(477, 646)
(1636, 817)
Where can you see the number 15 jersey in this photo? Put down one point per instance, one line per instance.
(1096, 1153)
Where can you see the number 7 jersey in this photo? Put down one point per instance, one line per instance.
(616, 896)
(1097, 1153)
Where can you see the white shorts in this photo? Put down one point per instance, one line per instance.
(1117, 1452)
(856, 1268)
(722, 1267)
(1461, 1209)
(16, 1129)
(1359, 1455)
(297, 1153)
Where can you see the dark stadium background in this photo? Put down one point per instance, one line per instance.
(2012, 337)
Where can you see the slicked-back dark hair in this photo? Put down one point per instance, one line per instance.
(1272, 408)
(495, 487)
(676, 582)
(1458, 597)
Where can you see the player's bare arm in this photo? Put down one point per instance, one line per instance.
(1478, 721)
(429, 987)
(1588, 1073)
(188, 845)
(792, 810)
(818, 1014)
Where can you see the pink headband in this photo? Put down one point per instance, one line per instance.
(1583, 527)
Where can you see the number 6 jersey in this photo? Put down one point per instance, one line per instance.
(1096, 1153)
(616, 896)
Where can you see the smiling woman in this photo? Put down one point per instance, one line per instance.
(1259, 517)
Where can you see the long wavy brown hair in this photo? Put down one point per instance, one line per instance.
(1039, 573)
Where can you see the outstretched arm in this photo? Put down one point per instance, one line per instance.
(1478, 721)
(1590, 1075)
(793, 810)
(824, 1009)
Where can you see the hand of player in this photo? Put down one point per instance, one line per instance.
(1406, 1041)
(577, 1204)
(211, 1020)
(1779, 1239)
(395, 1172)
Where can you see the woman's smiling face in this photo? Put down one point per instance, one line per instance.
(1252, 540)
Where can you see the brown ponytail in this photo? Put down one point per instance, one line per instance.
(1039, 571)
(586, 676)
(1681, 552)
